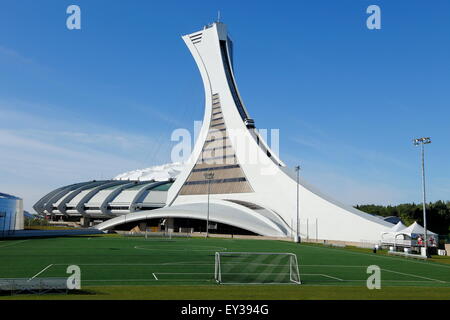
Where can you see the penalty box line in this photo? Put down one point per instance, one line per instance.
(47, 267)
(382, 269)
(413, 275)
(199, 273)
(241, 273)
(13, 244)
(303, 274)
(154, 274)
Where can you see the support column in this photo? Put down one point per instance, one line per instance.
(170, 225)
(85, 222)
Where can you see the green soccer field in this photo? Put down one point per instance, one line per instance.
(183, 268)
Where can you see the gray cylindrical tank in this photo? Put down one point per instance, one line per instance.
(11, 214)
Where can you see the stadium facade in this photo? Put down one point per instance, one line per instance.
(92, 201)
(233, 174)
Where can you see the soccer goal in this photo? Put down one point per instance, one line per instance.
(256, 268)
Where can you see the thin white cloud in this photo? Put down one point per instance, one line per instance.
(39, 154)
(15, 55)
(39, 165)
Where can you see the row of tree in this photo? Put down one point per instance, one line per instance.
(438, 214)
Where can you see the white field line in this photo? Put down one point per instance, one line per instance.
(146, 280)
(180, 282)
(405, 274)
(188, 263)
(413, 275)
(12, 244)
(157, 264)
(331, 265)
(156, 278)
(142, 239)
(323, 275)
(137, 264)
(401, 281)
(40, 272)
(165, 280)
(208, 264)
(260, 283)
(435, 264)
(335, 278)
(168, 248)
(246, 273)
(255, 273)
(360, 280)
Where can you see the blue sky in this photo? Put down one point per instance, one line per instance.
(93, 103)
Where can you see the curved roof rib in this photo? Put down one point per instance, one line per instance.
(61, 204)
(78, 204)
(60, 193)
(94, 198)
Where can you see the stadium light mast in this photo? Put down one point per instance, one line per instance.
(297, 235)
(422, 142)
(208, 176)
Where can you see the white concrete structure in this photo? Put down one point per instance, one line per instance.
(252, 188)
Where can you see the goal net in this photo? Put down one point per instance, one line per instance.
(256, 268)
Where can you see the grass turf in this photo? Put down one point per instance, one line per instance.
(114, 267)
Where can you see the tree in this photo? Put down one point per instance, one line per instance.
(438, 214)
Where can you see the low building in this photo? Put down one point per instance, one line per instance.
(11, 214)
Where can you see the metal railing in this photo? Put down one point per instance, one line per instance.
(33, 286)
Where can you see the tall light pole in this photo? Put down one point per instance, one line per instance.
(297, 236)
(422, 142)
(208, 176)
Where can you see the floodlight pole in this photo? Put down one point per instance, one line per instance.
(297, 236)
(208, 176)
(422, 142)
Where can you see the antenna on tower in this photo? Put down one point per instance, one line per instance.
(218, 15)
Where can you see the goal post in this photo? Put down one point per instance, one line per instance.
(256, 268)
